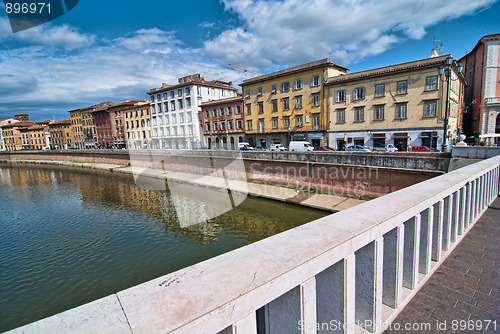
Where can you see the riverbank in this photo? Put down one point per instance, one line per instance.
(312, 198)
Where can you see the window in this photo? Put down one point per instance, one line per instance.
(401, 110)
(379, 113)
(189, 117)
(380, 90)
(249, 125)
(230, 125)
(167, 120)
(214, 112)
(285, 87)
(172, 105)
(249, 109)
(221, 112)
(165, 96)
(188, 91)
(215, 126)
(222, 126)
(315, 100)
(340, 96)
(359, 114)
(229, 110)
(340, 116)
(275, 122)
(188, 102)
(430, 108)
(274, 104)
(180, 104)
(238, 110)
(431, 83)
(315, 80)
(297, 84)
(261, 107)
(286, 122)
(261, 125)
(174, 119)
(172, 94)
(298, 102)
(207, 113)
(239, 124)
(259, 91)
(198, 91)
(402, 85)
(273, 89)
(286, 103)
(359, 93)
(298, 121)
(152, 98)
(316, 121)
(247, 93)
(181, 118)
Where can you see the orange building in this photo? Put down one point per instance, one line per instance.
(61, 134)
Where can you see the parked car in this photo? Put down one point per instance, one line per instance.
(301, 146)
(387, 148)
(422, 149)
(358, 148)
(261, 149)
(323, 149)
(278, 147)
(244, 146)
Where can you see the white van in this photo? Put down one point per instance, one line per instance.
(300, 146)
(244, 146)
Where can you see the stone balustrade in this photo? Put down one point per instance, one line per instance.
(349, 272)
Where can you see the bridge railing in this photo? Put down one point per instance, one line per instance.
(349, 272)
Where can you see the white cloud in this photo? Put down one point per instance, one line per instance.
(47, 79)
(290, 32)
(63, 36)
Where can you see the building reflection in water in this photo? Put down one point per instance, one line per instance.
(196, 212)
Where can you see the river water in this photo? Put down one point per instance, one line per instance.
(70, 236)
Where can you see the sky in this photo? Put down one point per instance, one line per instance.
(118, 50)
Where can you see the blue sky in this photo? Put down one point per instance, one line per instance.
(117, 50)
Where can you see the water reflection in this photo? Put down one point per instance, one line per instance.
(69, 236)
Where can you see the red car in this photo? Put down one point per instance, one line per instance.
(322, 149)
(422, 149)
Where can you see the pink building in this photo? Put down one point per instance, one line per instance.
(482, 95)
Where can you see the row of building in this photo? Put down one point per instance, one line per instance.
(428, 102)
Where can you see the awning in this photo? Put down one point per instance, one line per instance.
(400, 135)
(378, 135)
(434, 134)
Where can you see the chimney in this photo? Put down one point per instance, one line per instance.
(434, 53)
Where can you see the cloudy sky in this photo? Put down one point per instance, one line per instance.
(117, 50)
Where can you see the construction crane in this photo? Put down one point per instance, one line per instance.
(244, 69)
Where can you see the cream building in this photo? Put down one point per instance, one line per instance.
(403, 105)
(137, 125)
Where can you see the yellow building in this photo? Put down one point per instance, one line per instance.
(38, 138)
(61, 134)
(137, 125)
(289, 105)
(75, 117)
(13, 135)
(403, 105)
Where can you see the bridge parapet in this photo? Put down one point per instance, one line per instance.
(353, 270)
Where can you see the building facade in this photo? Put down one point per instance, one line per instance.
(83, 126)
(289, 105)
(61, 135)
(403, 105)
(223, 123)
(15, 134)
(36, 137)
(137, 126)
(174, 110)
(3, 122)
(482, 95)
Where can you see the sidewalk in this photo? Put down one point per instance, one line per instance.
(464, 291)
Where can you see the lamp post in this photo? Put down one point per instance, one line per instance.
(447, 77)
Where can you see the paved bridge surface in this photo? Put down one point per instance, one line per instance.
(465, 290)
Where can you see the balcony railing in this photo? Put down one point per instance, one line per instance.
(354, 270)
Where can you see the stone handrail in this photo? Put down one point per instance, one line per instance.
(353, 270)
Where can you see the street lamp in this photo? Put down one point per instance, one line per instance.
(447, 74)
